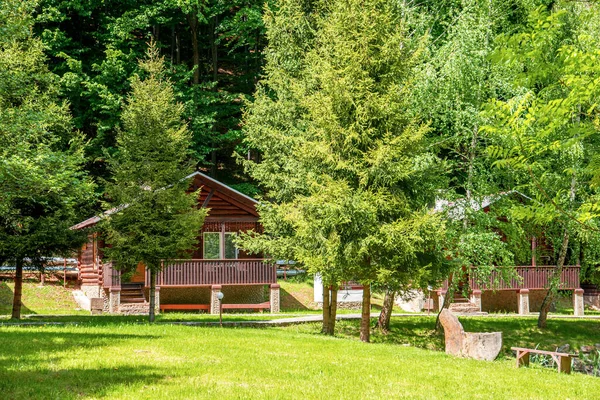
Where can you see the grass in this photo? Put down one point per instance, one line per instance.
(50, 298)
(516, 332)
(119, 360)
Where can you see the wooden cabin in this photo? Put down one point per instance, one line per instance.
(217, 265)
(521, 294)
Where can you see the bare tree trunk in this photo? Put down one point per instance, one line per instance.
(18, 292)
(447, 300)
(326, 309)
(332, 310)
(213, 161)
(193, 22)
(554, 283)
(555, 280)
(383, 323)
(151, 315)
(213, 50)
(365, 320)
(177, 48)
(172, 44)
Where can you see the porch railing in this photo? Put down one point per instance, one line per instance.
(215, 272)
(110, 277)
(530, 277)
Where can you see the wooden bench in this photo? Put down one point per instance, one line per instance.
(255, 307)
(563, 360)
(164, 307)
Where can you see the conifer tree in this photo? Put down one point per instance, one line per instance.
(42, 186)
(157, 219)
(342, 158)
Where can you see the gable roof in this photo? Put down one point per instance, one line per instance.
(216, 190)
(456, 209)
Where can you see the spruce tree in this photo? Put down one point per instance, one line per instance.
(157, 218)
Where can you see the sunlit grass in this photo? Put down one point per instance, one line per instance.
(116, 360)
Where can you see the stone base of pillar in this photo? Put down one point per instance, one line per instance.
(214, 300)
(523, 301)
(274, 298)
(157, 300)
(578, 302)
(476, 298)
(441, 297)
(114, 300)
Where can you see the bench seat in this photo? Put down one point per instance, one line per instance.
(563, 360)
(184, 307)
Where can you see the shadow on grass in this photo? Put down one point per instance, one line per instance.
(6, 301)
(30, 364)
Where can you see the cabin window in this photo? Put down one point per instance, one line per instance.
(212, 245)
(230, 250)
(219, 245)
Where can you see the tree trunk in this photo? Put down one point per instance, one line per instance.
(555, 280)
(193, 22)
(18, 292)
(365, 320)
(326, 309)
(152, 295)
(447, 300)
(213, 50)
(554, 283)
(177, 48)
(332, 310)
(383, 323)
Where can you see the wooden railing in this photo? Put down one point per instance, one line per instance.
(529, 277)
(110, 277)
(215, 272)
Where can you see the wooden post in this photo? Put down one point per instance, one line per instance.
(65, 272)
(522, 358)
(533, 248)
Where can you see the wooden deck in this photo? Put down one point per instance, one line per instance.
(186, 273)
(529, 277)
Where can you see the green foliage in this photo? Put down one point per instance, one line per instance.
(154, 217)
(44, 190)
(341, 158)
(546, 136)
(94, 47)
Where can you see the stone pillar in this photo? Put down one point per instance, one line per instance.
(523, 301)
(214, 300)
(578, 302)
(441, 296)
(157, 300)
(274, 298)
(476, 298)
(114, 300)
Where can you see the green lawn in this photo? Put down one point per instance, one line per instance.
(116, 360)
(516, 332)
(50, 298)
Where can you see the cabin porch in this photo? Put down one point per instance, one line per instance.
(523, 292)
(195, 283)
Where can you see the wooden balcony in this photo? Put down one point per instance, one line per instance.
(527, 277)
(187, 273)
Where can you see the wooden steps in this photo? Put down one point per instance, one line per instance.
(461, 305)
(132, 293)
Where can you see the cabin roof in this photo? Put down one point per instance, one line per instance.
(456, 209)
(228, 194)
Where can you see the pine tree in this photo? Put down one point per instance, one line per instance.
(157, 219)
